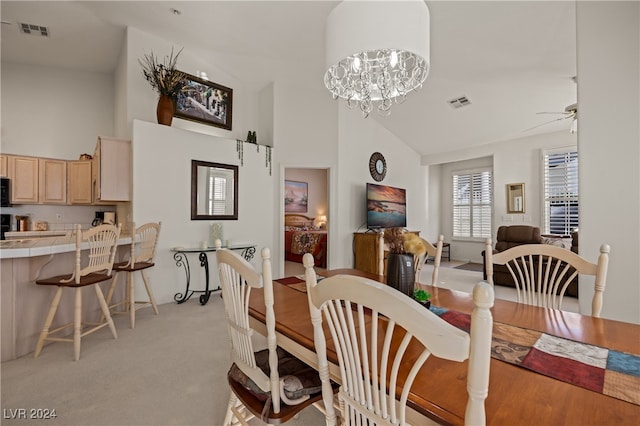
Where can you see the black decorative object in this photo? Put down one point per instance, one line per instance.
(253, 139)
(400, 272)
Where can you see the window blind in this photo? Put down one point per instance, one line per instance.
(472, 204)
(561, 197)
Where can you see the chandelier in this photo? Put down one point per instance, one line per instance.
(377, 52)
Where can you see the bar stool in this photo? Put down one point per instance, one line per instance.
(100, 243)
(140, 258)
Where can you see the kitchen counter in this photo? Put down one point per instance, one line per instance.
(42, 246)
(35, 234)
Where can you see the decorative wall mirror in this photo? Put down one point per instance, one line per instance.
(214, 191)
(515, 198)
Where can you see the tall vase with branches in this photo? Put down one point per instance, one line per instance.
(166, 80)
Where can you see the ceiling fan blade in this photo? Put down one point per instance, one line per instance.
(547, 122)
(558, 112)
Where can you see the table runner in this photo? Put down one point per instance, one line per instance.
(599, 369)
(602, 370)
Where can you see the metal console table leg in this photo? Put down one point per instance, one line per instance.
(182, 261)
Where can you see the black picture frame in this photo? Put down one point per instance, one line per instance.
(205, 102)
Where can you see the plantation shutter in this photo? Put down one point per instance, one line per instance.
(472, 204)
(561, 201)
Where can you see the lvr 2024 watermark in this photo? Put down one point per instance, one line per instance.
(29, 413)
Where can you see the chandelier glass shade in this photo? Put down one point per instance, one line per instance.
(377, 52)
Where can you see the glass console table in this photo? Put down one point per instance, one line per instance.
(180, 256)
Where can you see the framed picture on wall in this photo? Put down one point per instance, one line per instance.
(295, 196)
(205, 102)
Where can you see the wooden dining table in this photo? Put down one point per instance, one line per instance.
(517, 395)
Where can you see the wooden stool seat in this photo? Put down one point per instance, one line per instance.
(102, 242)
(125, 267)
(84, 280)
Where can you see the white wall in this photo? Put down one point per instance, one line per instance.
(162, 174)
(608, 45)
(54, 112)
(305, 133)
(358, 139)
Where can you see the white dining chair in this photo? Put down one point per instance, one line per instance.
(269, 384)
(542, 272)
(400, 338)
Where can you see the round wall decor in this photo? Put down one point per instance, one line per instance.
(377, 166)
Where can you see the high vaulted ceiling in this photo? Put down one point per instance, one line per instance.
(511, 59)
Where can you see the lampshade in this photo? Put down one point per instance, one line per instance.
(376, 52)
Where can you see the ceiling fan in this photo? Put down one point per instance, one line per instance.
(570, 112)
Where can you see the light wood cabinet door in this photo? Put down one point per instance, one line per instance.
(53, 181)
(23, 172)
(4, 165)
(79, 182)
(112, 170)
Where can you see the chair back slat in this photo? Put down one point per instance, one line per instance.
(382, 338)
(542, 273)
(147, 236)
(102, 242)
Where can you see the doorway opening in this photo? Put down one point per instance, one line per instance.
(306, 219)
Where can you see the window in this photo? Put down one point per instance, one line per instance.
(472, 204)
(217, 189)
(561, 203)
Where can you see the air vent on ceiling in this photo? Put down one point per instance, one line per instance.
(34, 29)
(459, 102)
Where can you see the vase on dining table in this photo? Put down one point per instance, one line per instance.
(400, 272)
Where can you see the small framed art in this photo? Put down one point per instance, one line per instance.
(205, 102)
(295, 196)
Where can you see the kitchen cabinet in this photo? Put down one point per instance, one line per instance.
(24, 172)
(79, 184)
(52, 181)
(111, 170)
(37, 180)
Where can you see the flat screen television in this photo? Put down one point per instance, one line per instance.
(386, 207)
